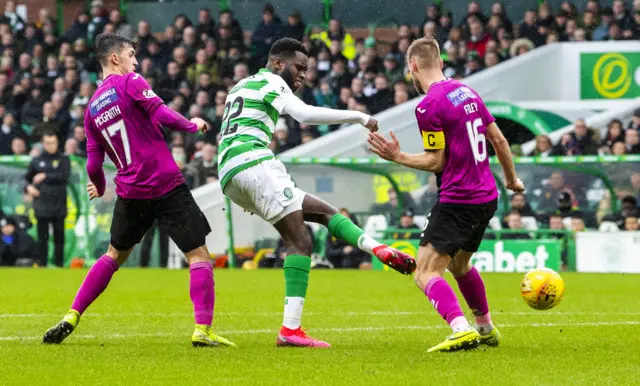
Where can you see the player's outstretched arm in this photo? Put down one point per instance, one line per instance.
(503, 152)
(142, 94)
(429, 160)
(312, 115)
(173, 120)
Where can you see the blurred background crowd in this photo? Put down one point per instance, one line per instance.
(47, 79)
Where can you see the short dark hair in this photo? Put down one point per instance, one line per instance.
(287, 47)
(106, 44)
(50, 133)
(577, 215)
(629, 200)
(556, 215)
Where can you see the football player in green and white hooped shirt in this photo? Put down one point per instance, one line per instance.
(252, 178)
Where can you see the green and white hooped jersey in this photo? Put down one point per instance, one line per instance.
(249, 120)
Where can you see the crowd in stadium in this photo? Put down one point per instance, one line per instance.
(46, 78)
(584, 140)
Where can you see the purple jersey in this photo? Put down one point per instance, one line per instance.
(453, 117)
(119, 120)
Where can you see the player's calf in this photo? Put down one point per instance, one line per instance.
(472, 288)
(341, 227)
(428, 277)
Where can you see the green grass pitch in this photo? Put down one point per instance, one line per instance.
(379, 323)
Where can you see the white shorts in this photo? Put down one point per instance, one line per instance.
(266, 190)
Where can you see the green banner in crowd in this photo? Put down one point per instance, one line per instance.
(498, 256)
(609, 75)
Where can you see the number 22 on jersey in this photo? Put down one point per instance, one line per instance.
(110, 133)
(477, 140)
(227, 128)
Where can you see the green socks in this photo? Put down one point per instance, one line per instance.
(296, 275)
(296, 278)
(344, 229)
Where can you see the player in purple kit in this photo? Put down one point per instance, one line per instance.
(455, 125)
(124, 119)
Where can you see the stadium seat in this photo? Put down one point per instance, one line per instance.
(608, 226)
(376, 225)
(495, 224)
(420, 221)
(530, 223)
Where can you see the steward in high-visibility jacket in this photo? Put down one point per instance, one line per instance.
(347, 42)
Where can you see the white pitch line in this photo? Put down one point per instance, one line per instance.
(349, 313)
(337, 329)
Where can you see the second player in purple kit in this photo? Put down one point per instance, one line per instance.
(455, 126)
(124, 120)
(453, 114)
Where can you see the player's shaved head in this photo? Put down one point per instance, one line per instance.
(425, 52)
(109, 44)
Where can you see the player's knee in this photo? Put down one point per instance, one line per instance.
(430, 263)
(198, 255)
(459, 267)
(461, 264)
(119, 256)
(422, 278)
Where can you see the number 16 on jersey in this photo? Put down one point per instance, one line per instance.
(477, 140)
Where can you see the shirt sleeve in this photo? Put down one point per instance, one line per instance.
(312, 115)
(95, 156)
(141, 93)
(279, 94)
(487, 118)
(431, 127)
(92, 142)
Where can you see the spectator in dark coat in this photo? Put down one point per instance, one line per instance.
(8, 132)
(206, 25)
(406, 227)
(98, 20)
(295, 27)
(267, 32)
(227, 20)
(47, 178)
(583, 137)
(629, 207)
(383, 98)
(15, 243)
(204, 168)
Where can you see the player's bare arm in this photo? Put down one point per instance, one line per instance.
(503, 152)
(429, 161)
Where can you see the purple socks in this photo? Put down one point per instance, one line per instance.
(472, 288)
(444, 300)
(94, 283)
(202, 292)
(201, 289)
